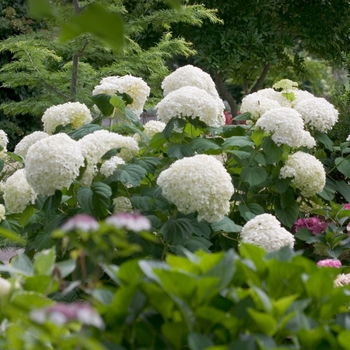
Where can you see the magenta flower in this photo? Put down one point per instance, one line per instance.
(315, 225)
(81, 222)
(346, 206)
(329, 263)
(131, 221)
(62, 313)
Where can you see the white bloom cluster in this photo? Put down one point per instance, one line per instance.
(3, 143)
(192, 102)
(342, 279)
(75, 113)
(2, 212)
(108, 167)
(317, 113)
(265, 231)
(276, 96)
(96, 144)
(300, 95)
(286, 85)
(18, 194)
(122, 205)
(23, 146)
(189, 76)
(307, 172)
(136, 87)
(286, 126)
(257, 104)
(53, 163)
(152, 127)
(198, 184)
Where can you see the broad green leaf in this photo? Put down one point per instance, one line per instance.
(344, 189)
(254, 175)
(197, 243)
(239, 154)
(201, 145)
(94, 200)
(157, 141)
(344, 339)
(102, 101)
(15, 157)
(324, 139)
(180, 151)
(44, 262)
(198, 341)
(287, 215)
(343, 165)
(12, 236)
(111, 153)
(243, 116)
(40, 284)
(176, 231)
(237, 141)
(148, 163)
(264, 322)
(303, 234)
(131, 116)
(83, 131)
(249, 211)
(117, 103)
(257, 136)
(22, 263)
(128, 174)
(66, 267)
(26, 215)
(226, 225)
(97, 20)
(40, 9)
(271, 149)
(30, 300)
(170, 126)
(52, 202)
(174, 3)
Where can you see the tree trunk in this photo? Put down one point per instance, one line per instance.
(258, 85)
(225, 94)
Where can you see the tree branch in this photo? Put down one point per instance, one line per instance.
(225, 94)
(258, 85)
(75, 69)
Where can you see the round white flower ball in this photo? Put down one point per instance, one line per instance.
(23, 146)
(265, 231)
(3, 143)
(136, 87)
(189, 76)
(2, 212)
(192, 102)
(317, 113)
(257, 104)
(276, 96)
(306, 171)
(122, 205)
(53, 163)
(18, 194)
(286, 126)
(198, 184)
(152, 127)
(108, 167)
(75, 113)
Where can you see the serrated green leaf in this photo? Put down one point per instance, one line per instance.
(83, 131)
(111, 153)
(128, 174)
(148, 163)
(102, 101)
(201, 145)
(237, 141)
(180, 151)
(271, 149)
(226, 225)
(324, 139)
(343, 165)
(253, 175)
(344, 189)
(287, 215)
(44, 262)
(177, 231)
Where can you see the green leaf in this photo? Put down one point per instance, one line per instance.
(226, 225)
(26, 215)
(201, 145)
(22, 263)
(263, 321)
(44, 262)
(197, 243)
(52, 202)
(176, 231)
(344, 339)
(117, 103)
(94, 200)
(128, 174)
(157, 141)
(131, 116)
(243, 116)
(271, 149)
(287, 215)
(66, 267)
(97, 20)
(40, 9)
(170, 126)
(254, 175)
(344, 189)
(303, 234)
(198, 341)
(324, 139)
(176, 4)
(15, 157)
(148, 163)
(83, 131)
(102, 101)
(237, 141)
(111, 153)
(343, 165)
(12, 236)
(180, 151)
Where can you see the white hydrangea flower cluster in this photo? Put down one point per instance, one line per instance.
(192, 102)
(286, 85)
(257, 104)
(275, 95)
(152, 127)
(96, 144)
(265, 231)
(286, 126)
(306, 171)
(136, 87)
(74, 113)
(317, 113)
(3, 143)
(53, 163)
(189, 76)
(342, 280)
(29, 140)
(2, 212)
(122, 205)
(300, 95)
(18, 194)
(108, 167)
(198, 184)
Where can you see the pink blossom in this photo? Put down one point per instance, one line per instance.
(346, 206)
(81, 222)
(130, 221)
(329, 263)
(315, 225)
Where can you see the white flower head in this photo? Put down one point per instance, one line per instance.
(198, 184)
(192, 102)
(75, 113)
(122, 205)
(18, 194)
(29, 140)
(53, 163)
(108, 167)
(317, 113)
(286, 85)
(257, 104)
(136, 87)
(152, 127)
(2, 212)
(276, 96)
(300, 95)
(96, 144)
(286, 126)
(265, 231)
(189, 76)
(130, 221)
(3, 143)
(306, 171)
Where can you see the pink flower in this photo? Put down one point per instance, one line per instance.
(346, 206)
(315, 225)
(131, 221)
(329, 263)
(81, 222)
(62, 313)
